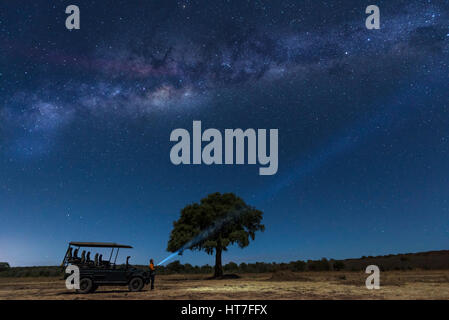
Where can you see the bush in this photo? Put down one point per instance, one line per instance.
(175, 267)
(206, 269)
(4, 266)
(243, 267)
(338, 265)
(231, 267)
(318, 265)
(297, 265)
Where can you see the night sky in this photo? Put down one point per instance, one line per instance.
(86, 117)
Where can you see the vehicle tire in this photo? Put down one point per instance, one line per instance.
(94, 287)
(86, 285)
(135, 284)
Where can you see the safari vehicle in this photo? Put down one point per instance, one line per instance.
(100, 272)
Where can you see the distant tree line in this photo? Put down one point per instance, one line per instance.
(426, 260)
(257, 267)
(176, 267)
(33, 272)
(432, 260)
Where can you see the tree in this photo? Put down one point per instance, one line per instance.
(219, 220)
(338, 265)
(231, 267)
(175, 266)
(297, 265)
(4, 266)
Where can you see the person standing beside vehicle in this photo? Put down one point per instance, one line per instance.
(152, 273)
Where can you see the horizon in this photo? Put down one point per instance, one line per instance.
(272, 262)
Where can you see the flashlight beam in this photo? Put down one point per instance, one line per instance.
(168, 258)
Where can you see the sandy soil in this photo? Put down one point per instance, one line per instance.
(305, 285)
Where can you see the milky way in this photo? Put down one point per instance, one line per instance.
(138, 76)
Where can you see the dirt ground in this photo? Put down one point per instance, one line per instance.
(286, 285)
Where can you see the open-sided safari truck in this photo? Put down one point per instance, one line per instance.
(101, 272)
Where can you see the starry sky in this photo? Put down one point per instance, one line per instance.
(86, 116)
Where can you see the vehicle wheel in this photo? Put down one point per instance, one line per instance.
(136, 284)
(86, 285)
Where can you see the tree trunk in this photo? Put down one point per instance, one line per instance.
(218, 267)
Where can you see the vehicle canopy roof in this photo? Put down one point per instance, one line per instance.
(99, 244)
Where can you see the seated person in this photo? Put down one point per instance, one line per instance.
(75, 253)
(74, 258)
(103, 263)
(69, 254)
(83, 257)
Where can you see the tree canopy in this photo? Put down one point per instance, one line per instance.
(219, 220)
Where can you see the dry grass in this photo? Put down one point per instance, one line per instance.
(304, 285)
